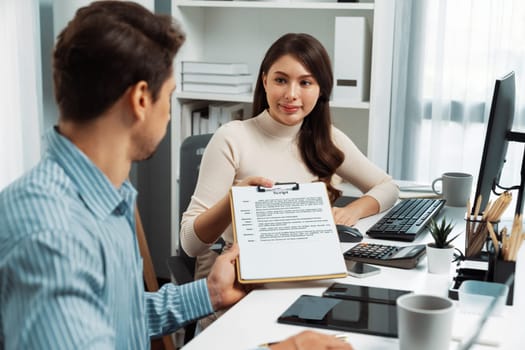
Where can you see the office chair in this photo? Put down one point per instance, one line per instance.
(191, 151)
(150, 277)
(182, 266)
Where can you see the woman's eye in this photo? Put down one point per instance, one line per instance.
(306, 82)
(280, 80)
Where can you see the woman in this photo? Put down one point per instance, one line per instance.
(290, 139)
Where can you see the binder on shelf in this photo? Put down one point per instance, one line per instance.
(232, 111)
(232, 79)
(214, 121)
(223, 112)
(199, 121)
(217, 88)
(285, 233)
(352, 51)
(186, 118)
(214, 67)
(204, 124)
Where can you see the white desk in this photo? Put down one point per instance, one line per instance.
(252, 321)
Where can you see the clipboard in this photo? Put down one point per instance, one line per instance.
(285, 233)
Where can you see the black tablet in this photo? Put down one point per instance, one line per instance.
(342, 314)
(364, 293)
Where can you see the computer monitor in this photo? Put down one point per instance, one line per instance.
(496, 140)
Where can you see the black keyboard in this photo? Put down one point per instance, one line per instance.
(406, 219)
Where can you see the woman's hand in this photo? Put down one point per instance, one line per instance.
(211, 224)
(360, 208)
(255, 181)
(345, 216)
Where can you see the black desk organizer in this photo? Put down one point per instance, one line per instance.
(501, 270)
(498, 271)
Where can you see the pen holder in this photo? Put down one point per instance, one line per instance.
(476, 235)
(499, 271)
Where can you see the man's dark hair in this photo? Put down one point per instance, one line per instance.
(106, 48)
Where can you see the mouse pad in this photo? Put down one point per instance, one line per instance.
(340, 314)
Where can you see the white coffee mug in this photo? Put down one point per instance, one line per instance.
(424, 322)
(456, 188)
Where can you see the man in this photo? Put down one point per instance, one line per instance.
(70, 268)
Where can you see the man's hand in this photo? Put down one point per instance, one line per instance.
(222, 283)
(310, 340)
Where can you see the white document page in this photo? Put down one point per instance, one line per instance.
(286, 233)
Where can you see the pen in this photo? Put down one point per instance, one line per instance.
(342, 337)
(476, 212)
(493, 237)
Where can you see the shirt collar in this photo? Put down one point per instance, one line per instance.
(93, 186)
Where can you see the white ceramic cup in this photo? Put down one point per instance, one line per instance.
(424, 322)
(456, 188)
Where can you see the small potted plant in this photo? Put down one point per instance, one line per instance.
(440, 252)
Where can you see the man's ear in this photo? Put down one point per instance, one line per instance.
(140, 99)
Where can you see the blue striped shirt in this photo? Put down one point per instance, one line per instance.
(70, 267)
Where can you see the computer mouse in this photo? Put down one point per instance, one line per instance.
(349, 234)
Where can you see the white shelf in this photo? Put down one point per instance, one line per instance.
(242, 31)
(279, 4)
(184, 95)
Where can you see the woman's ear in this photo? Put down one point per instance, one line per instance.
(140, 99)
(264, 79)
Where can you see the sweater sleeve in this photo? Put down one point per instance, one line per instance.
(216, 176)
(358, 170)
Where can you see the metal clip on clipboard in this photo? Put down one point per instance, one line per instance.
(279, 187)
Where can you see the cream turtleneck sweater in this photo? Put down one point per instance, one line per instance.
(261, 146)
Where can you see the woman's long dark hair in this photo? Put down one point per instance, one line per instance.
(318, 151)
